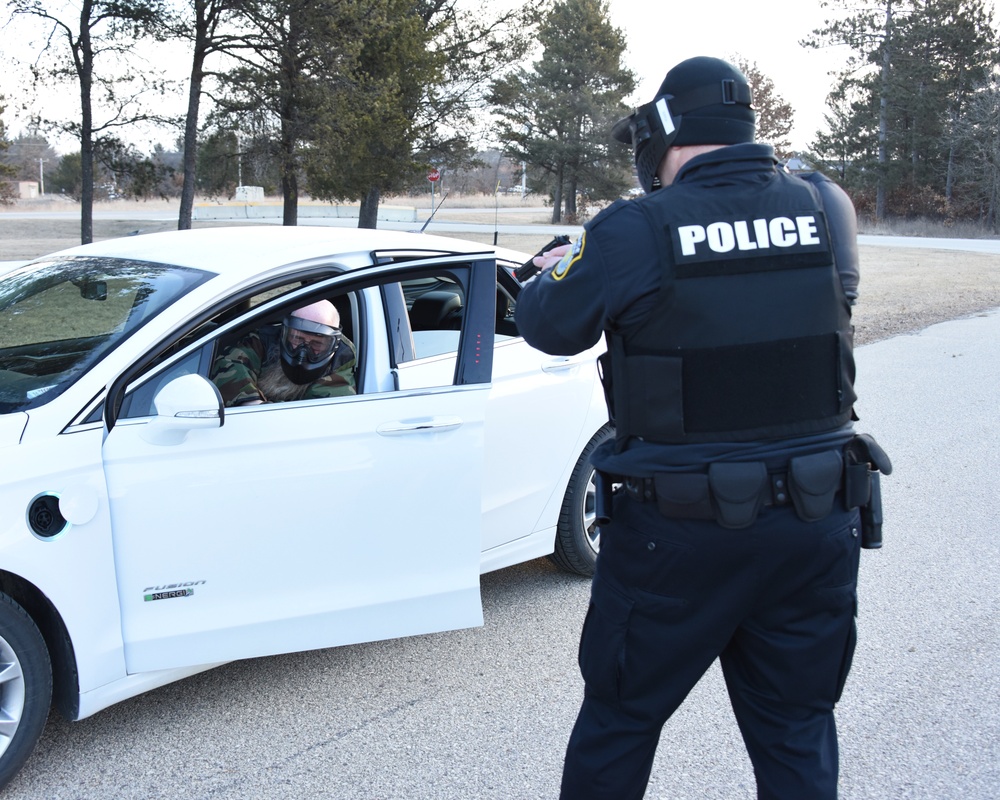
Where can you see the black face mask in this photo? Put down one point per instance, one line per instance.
(650, 129)
(307, 348)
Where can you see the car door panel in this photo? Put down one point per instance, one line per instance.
(535, 419)
(310, 529)
(300, 525)
(537, 409)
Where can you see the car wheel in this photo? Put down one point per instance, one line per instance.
(25, 687)
(578, 538)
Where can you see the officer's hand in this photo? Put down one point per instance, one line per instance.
(552, 257)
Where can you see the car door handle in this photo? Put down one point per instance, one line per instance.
(405, 426)
(565, 362)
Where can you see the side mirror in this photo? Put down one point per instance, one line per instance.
(185, 404)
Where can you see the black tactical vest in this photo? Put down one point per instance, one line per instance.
(751, 337)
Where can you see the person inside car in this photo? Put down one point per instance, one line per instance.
(305, 358)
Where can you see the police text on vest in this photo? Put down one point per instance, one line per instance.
(723, 237)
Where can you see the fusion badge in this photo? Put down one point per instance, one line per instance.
(169, 591)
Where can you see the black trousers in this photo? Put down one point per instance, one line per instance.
(775, 602)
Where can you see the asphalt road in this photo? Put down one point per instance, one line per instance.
(485, 713)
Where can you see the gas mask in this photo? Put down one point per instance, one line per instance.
(307, 348)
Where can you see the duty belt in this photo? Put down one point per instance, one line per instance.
(734, 493)
(775, 491)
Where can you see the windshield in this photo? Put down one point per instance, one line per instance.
(59, 317)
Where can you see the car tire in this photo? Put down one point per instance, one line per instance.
(25, 687)
(578, 538)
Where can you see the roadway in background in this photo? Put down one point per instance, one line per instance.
(484, 714)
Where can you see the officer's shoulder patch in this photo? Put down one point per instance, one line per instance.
(572, 256)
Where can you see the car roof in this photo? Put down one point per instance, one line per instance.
(246, 250)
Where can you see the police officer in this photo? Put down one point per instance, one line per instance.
(724, 294)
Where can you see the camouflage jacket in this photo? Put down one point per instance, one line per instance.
(236, 371)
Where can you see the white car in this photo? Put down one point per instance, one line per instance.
(147, 532)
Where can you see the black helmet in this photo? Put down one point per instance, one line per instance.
(701, 101)
(307, 348)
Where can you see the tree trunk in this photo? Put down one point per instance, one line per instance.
(949, 180)
(290, 119)
(571, 211)
(289, 170)
(86, 182)
(84, 55)
(557, 196)
(883, 117)
(191, 137)
(992, 217)
(290, 193)
(368, 213)
(569, 198)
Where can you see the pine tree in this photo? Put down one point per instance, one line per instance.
(914, 67)
(7, 172)
(557, 117)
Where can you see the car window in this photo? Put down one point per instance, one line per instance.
(59, 317)
(139, 403)
(435, 306)
(240, 350)
(446, 331)
(375, 317)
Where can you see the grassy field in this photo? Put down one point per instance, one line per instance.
(901, 289)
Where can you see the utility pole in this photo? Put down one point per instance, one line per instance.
(41, 177)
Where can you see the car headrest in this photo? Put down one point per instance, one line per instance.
(433, 310)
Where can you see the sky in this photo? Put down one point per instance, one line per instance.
(726, 28)
(660, 34)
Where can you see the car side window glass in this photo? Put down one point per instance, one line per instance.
(435, 306)
(303, 351)
(246, 362)
(506, 327)
(139, 402)
(439, 316)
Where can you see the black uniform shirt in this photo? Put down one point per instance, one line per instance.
(610, 280)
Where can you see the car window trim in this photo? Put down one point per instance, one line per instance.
(345, 281)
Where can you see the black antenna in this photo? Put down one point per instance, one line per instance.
(435, 211)
(496, 213)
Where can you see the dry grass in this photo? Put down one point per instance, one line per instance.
(902, 290)
(929, 228)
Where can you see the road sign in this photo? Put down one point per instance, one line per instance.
(433, 175)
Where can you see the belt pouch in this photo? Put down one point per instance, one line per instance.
(683, 495)
(602, 499)
(813, 482)
(857, 485)
(738, 492)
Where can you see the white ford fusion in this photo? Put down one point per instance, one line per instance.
(148, 530)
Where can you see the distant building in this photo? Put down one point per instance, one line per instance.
(27, 190)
